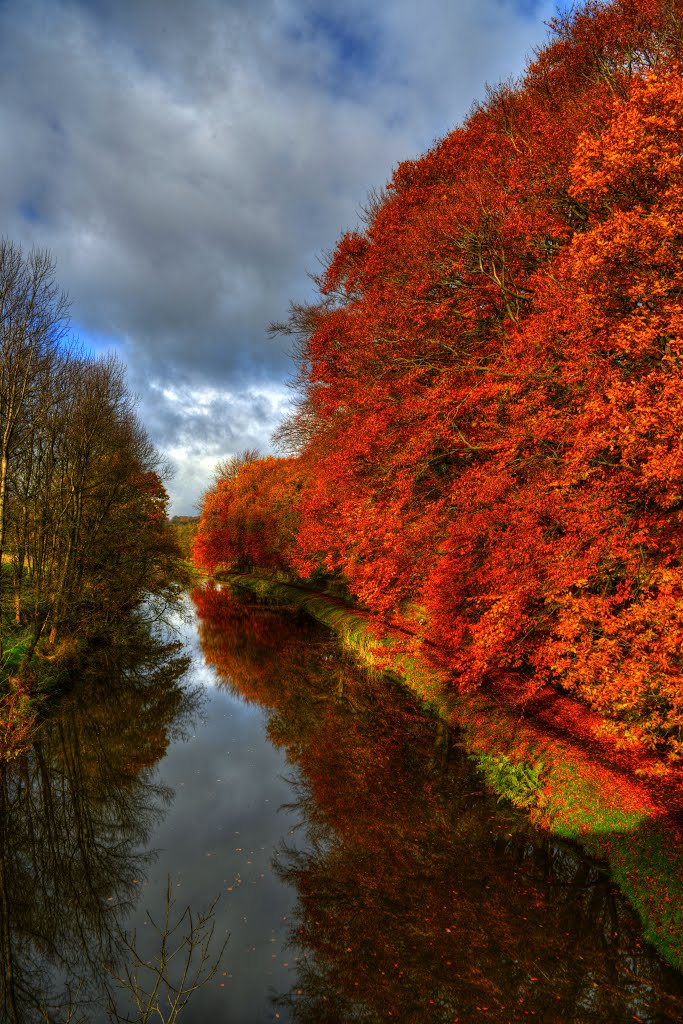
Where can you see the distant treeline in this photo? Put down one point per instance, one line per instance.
(491, 387)
(183, 530)
(82, 507)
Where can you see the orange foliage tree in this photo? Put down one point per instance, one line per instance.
(490, 381)
(250, 517)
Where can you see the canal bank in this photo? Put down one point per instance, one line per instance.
(546, 754)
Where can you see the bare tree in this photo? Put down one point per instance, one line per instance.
(33, 320)
(227, 469)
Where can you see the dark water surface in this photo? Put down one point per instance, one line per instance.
(362, 873)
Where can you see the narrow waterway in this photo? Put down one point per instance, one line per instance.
(350, 865)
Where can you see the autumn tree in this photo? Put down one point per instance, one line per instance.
(249, 519)
(86, 508)
(82, 503)
(489, 381)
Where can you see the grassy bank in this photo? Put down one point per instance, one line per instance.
(28, 679)
(544, 759)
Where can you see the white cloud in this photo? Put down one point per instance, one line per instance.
(206, 425)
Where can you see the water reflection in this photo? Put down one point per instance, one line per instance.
(74, 812)
(419, 898)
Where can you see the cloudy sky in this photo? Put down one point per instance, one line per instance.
(187, 162)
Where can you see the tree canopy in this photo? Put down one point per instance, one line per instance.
(490, 383)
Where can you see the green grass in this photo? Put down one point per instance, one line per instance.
(13, 657)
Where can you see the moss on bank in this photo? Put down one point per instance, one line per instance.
(564, 789)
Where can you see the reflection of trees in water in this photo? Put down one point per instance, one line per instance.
(74, 811)
(256, 652)
(418, 894)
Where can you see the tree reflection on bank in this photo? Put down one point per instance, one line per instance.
(420, 898)
(74, 812)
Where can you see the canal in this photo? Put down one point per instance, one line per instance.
(307, 842)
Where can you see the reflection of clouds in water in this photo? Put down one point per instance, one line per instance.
(204, 675)
(219, 837)
(181, 622)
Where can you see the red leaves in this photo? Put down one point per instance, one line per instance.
(250, 519)
(492, 390)
(345, 269)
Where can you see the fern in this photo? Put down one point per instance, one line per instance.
(512, 780)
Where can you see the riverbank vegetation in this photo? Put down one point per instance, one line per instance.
(487, 441)
(83, 534)
(549, 757)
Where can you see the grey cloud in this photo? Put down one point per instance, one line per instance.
(186, 163)
(202, 422)
(198, 426)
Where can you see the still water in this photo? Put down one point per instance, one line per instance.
(346, 859)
